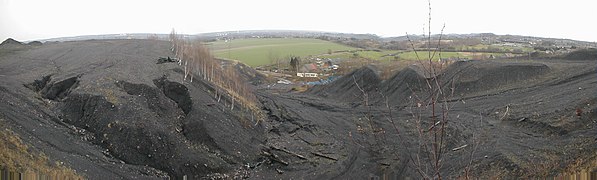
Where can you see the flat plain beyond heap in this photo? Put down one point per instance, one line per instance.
(257, 51)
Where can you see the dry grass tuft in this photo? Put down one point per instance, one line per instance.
(16, 156)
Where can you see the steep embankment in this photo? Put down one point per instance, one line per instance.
(510, 115)
(461, 79)
(485, 77)
(106, 109)
(350, 87)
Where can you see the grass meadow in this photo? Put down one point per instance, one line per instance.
(260, 51)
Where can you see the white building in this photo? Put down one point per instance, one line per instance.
(306, 74)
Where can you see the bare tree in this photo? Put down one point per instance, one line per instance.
(430, 110)
(197, 60)
(295, 63)
(433, 98)
(274, 58)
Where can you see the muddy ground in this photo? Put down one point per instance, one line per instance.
(107, 109)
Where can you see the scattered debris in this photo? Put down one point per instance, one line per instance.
(274, 158)
(162, 60)
(522, 119)
(505, 113)
(578, 112)
(279, 171)
(289, 152)
(459, 148)
(324, 156)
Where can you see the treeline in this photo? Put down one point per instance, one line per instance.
(198, 61)
(363, 43)
(447, 45)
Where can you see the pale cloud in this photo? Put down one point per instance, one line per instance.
(38, 19)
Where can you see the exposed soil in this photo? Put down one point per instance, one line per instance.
(523, 112)
(10, 41)
(106, 110)
(346, 89)
(118, 114)
(582, 54)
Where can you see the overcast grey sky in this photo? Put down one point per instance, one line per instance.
(40, 19)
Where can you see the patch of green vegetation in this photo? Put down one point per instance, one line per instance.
(494, 48)
(424, 55)
(257, 52)
(385, 55)
(262, 51)
(409, 55)
(378, 55)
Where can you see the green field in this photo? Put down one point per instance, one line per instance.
(261, 51)
(495, 48)
(423, 55)
(388, 55)
(373, 55)
(257, 52)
